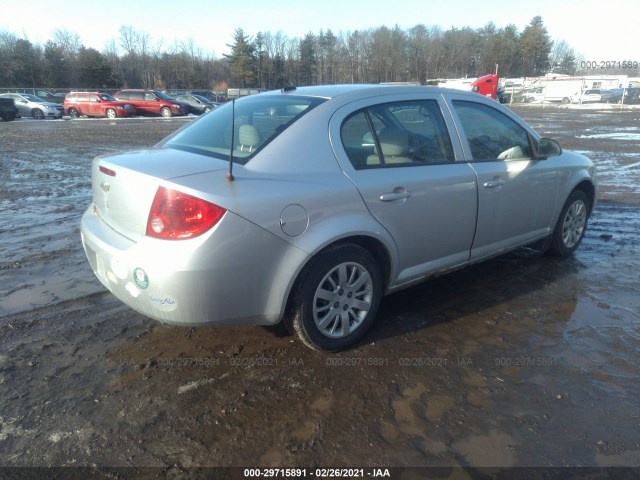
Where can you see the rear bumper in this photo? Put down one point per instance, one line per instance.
(222, 278)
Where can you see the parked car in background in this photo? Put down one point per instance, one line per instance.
(612, 95)
(533, 95)
(152, 102)
(208, 94)
(31, 106)
(632, 96)
(8, 110)
(588, 96)
(349, 193)
(56, 97)
(196, 104)
(46, 95)
(96, 104)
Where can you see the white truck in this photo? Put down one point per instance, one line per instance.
(572, 89)
(561, 90)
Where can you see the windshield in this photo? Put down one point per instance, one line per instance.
(164, 96)
(32, 98)
(107, 98)
(202, 99)
(258, 120)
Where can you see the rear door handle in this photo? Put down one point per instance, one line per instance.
(397, 194)
(496, 182)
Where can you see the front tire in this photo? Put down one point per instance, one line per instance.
(111, 113)
(571, 225)
(37, 113)
(166, 112)
(337, 298)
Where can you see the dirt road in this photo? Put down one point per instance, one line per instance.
(521, 361)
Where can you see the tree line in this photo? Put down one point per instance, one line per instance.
(272, 60)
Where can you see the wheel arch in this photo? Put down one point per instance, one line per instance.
(373, 246)
(589, 190)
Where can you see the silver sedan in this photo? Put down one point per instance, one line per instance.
(308, 205)
(31, 106)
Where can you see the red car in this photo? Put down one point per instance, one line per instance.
(152, 102)
(95, 104)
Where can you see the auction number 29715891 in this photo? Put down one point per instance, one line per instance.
(610, 64)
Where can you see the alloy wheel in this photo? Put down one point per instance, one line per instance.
(342, 300)
(574, 224)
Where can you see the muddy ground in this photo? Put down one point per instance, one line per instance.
(522, 361)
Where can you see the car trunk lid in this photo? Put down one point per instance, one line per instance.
(124, 185)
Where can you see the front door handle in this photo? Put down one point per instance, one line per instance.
(397, 194)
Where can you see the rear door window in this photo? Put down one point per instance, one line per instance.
(407, 133)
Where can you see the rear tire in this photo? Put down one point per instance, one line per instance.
(337, 298)
(571, 226)
(73, 113)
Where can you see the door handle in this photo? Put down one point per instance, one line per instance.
(398, 194)
(496, 182)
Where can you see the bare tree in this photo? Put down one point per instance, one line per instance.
(563, 58)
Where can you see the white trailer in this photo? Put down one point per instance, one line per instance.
(562, 89)
(565, 89)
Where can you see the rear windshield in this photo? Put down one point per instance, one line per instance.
(256, 121)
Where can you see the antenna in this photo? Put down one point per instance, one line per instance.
(229, 176)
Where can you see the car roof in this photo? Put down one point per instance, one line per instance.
(364, 90)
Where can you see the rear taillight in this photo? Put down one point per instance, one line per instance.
(107, 171)
(177, 216)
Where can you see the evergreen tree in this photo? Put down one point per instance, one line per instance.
(242, 60)
(308, 60)
(56, 67)
(94, 70)
(26, 60)
(535, 47)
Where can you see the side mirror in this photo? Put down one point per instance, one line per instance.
(547, 147)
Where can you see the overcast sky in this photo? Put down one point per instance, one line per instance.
(596, 29)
